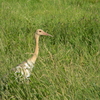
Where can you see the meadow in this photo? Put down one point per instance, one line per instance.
(68, 66)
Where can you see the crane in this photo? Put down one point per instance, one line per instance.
(26, 67)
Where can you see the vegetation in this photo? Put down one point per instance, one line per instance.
(68, 66)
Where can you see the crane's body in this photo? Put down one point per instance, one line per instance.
(25, 68)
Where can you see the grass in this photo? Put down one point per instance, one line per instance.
(68, 66)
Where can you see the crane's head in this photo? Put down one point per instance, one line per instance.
(41, 32)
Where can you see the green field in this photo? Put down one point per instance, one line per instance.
(68, 66)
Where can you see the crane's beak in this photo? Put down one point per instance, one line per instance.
(44, 33)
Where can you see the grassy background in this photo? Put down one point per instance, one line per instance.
(68, 66)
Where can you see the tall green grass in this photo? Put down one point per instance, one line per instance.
(68, 66)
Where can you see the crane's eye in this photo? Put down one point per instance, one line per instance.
(39, 31)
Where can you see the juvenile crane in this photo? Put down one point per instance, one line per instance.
(25, 68)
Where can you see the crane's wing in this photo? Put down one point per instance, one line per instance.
(24, 69)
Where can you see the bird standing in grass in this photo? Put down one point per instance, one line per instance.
(25, 68)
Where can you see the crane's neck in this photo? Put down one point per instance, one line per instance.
(35, 55)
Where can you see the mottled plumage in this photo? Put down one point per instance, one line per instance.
(25, 69)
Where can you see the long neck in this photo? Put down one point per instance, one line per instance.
(35, 55)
